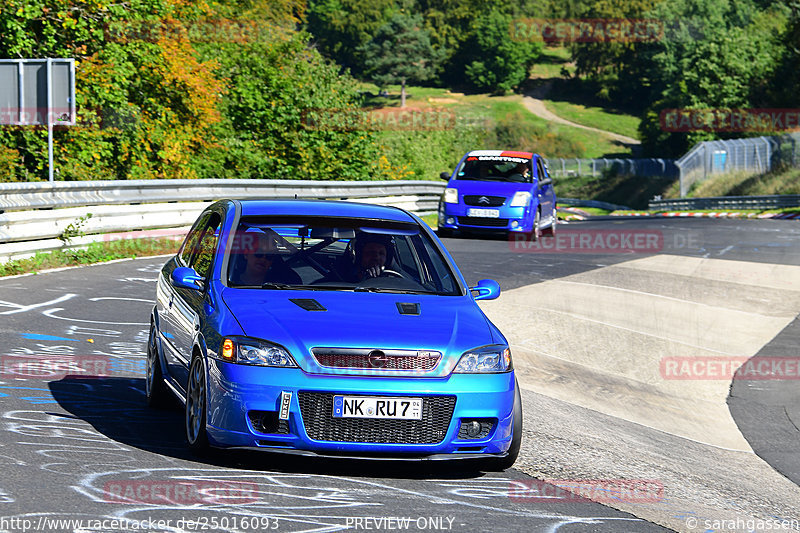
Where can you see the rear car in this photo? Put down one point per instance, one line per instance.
(499, 190)
(333, 354)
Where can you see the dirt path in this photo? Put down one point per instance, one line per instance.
(532, 103)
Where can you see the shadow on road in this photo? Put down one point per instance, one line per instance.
(115, 407)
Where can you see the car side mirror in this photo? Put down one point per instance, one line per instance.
(187, 278)
(546, 181)
(445, 176)
(486, 289)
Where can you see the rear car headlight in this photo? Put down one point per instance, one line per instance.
(487, 359)
(256, 352)
(521, 199)
(451, 196)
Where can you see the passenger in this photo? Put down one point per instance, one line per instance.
(259, 262)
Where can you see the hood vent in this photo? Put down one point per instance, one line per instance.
(309, 304)
(408, 308)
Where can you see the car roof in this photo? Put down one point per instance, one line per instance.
(503, 153)
(324, 208)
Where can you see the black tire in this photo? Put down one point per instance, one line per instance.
(195, 419)
(536, 233)
(444, 233)
(551, 231)
(503, 463)
(156, 392)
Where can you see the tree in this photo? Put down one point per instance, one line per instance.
(400, 52)
(342, 27)
(494, 61)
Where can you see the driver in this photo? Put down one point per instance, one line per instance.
(372, 253)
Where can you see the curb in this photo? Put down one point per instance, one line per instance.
(722, 214)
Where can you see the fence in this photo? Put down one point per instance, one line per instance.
(34, 215)
(755, 154)
(595, 167)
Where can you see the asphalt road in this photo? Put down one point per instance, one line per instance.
(78, 443)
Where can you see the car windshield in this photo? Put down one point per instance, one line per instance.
(495, 168)
(311, 253)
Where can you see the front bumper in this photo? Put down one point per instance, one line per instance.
(455, 216)
(238, 394)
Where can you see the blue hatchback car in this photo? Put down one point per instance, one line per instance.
(330, 328)
(499, 190)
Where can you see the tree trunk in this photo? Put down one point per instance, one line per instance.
(403, 92)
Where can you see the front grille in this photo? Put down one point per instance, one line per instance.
(491, 201)
(423, 361)
(486, 222)
(317, 409)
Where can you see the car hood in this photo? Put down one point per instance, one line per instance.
(448, 324)
(495, 188)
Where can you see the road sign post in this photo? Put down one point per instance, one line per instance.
(38, 92)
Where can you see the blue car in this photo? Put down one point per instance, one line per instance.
(497, 190)
(330, 328)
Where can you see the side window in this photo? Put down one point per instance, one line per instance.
(405, 257)
(540, 172)
(440, 274)
(206, 246)
(190, 244)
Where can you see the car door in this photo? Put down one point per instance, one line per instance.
(187, 304)
(545, 192)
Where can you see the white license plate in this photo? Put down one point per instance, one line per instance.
(486, 213)
(377, 407)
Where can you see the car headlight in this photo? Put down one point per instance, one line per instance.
(451, 196)
(521, 199)
(487, 359)
(247, 351)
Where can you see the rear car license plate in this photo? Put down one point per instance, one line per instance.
(486, 213)
(377, 407)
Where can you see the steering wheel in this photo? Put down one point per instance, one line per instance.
(392, 273)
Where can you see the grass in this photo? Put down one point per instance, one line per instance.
(596, 117)
(431, 220)
(784, 181)
(553, 63)
(631, 191)
(97, 252)
(485, 112)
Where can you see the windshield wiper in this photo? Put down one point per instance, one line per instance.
(392, 291)
(282, 286)
(286, 286)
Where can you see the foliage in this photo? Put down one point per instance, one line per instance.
(341, 28)
(400, 52)
(177, 89)
(494, 62)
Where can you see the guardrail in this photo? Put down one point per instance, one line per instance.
(727, 202)
(34, 215)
